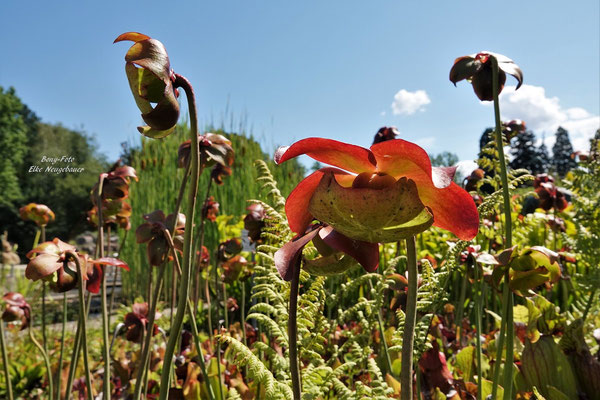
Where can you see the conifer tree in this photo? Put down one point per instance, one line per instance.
(561, 153)
(544, 156)
(525, 154)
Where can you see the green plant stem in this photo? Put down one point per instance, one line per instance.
(62, 346)
(46, 361)
(478, 309)
(141, 377)
(82, 318)
(77, 344)
(114, 283)
(293, 330)
(500, 342)
(44, 337)
(225, 305)
(106, 392)
(5, 363)
(165, 381)
(508, 233)
(461, 306)
(192, 316)
(382, 335)
(406, 372)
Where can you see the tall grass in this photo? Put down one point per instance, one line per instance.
(159, 180)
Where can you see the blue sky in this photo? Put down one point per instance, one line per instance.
(336, 69)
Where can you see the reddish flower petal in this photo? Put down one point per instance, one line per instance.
(453, 209)
(296, 206)
(401, 158)
(41, 266)
(366, 254)
(95, 279)
(343, 155)
(287, 256)
(112, 261)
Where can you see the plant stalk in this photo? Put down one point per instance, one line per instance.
(5, 363)
(44, 337)
(165, 383)
(508, 233)
(406, 379)
(62, 347)
(192, 316)
(46, 361)
(83, 322)
(106, 393)
(478, 309)
(140, 380)
(293, 331)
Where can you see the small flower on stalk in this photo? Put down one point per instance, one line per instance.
(203, 257)
(214, 149)
(136, 321)
(95, 271)
(152, 232)
(48, 262)
(528, 268)
(235, 269)
(254, 221)
(219, 172)
(232, 304)
(115, 185)
(228, 249)
(471, 182)
(38, 213)
(386, 133)
(383, 194)
(210, 209)
(551, 197)
(117, 212)
(477, 69)
(16, 309)
(151, 81)
(513, 127)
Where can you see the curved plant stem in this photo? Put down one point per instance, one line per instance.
(192, 316)
(460, 310)
(46, 361)
(165, 381)
(141, 377)
(114, 283)
(5, 363)
(406, 379)
(83, 322)
(44, 337)
(62, 346)
(77, 344)
(478, 308)
(508, 234)
(106, 392)
(293, 331)
(382, 334)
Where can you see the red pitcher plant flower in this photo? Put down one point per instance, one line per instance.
(214, 149)
(151, 81)
(153, 232)
(477, 69)
(382, 194)
(48, 261)
(38, 213)
(136, 321)
(16, 309)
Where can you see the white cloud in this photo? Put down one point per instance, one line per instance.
(465, 167)
(408, 103)
(543, 115)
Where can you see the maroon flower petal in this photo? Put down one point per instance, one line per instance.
(287, 256)
(366, 254)
(42, 266)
